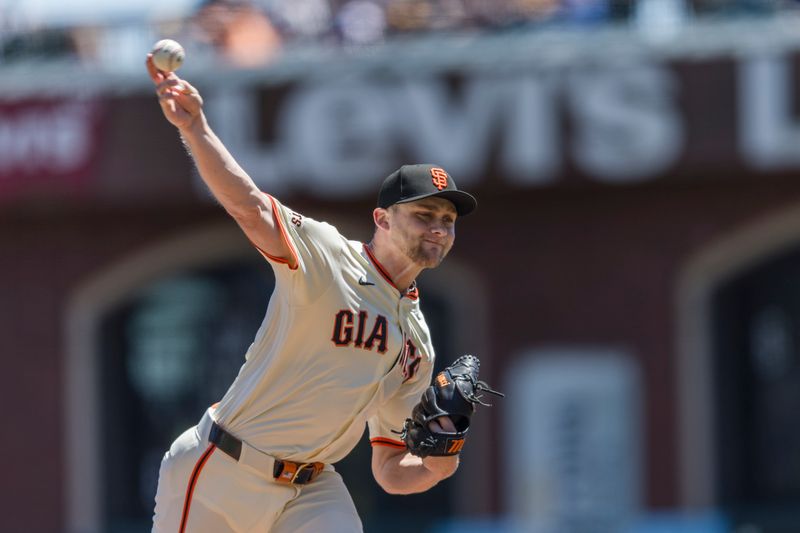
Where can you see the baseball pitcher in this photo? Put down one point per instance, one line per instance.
(343, 346)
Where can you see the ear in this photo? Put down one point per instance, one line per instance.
(381, 217)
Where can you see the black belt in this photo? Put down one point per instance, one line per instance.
(282, 471)
(225, 441)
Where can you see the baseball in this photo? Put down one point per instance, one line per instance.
(168, 55)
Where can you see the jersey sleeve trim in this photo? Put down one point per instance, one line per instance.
(279, 222)
(391, 443)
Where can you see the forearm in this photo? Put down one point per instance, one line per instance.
(228, 182)
(409, 474)
(182, 106)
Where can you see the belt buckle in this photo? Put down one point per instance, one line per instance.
(293, 473)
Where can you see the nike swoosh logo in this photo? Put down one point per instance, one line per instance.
(363, 281)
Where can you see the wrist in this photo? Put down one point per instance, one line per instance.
(195, 129)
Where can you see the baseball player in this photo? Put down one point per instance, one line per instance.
(343, 346)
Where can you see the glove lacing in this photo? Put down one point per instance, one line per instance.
(479, 387)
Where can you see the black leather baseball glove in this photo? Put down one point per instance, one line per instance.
(454, 393)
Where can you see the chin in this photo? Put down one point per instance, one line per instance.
(429, 264)
(426, 257)
(430, 261)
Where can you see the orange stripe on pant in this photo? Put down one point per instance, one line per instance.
(198, 467)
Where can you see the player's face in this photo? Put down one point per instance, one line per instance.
(424, 230)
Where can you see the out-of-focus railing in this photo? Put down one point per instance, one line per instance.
(42, 52)
(253, 33)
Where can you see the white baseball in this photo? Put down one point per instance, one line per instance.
(168, 55)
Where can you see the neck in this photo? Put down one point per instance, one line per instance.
(400, 268)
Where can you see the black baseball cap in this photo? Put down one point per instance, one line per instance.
(414, 182)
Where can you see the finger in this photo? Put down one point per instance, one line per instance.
(189, 97)
(189, 88)
(154, 73)
(172, 82)
(171, 85)
(189, 102)
(446, 424)
(169, 106)
(167, 92)
(169, 95)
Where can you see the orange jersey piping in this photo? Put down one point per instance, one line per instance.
(379, 267)
(284, 236)
(413, 293)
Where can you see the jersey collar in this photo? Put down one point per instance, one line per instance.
(411, 292)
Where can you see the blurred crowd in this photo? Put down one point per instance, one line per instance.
(250, 33)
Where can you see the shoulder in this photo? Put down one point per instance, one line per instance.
(303, 225)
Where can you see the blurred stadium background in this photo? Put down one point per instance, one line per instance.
(631, 278)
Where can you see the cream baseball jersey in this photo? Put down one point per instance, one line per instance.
(340, 347)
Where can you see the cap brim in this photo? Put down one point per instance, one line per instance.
(465, 203)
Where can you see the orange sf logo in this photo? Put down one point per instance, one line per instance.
(439, 178)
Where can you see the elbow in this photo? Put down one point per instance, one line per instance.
(392, 489)
(396, 489)
(389, 485)
(250, 212)
(392, 484)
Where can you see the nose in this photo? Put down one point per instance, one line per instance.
(438, 228)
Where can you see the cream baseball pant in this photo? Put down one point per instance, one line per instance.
(206, 491)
